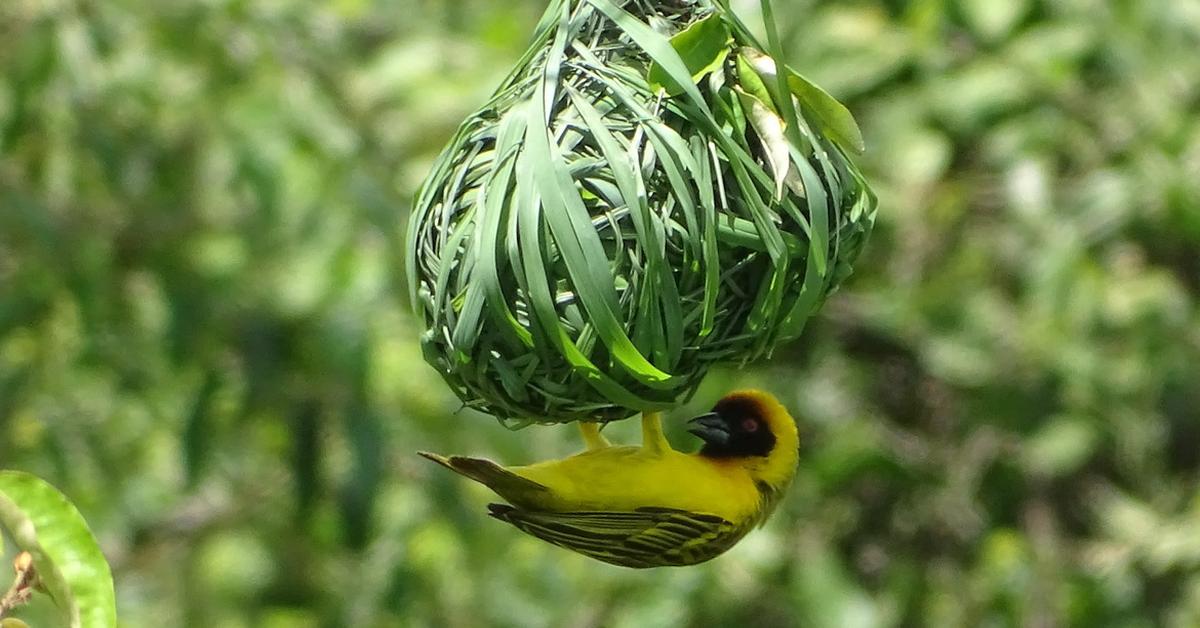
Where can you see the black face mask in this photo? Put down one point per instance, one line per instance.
(735, 428)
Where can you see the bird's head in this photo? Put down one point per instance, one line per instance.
(753, 430)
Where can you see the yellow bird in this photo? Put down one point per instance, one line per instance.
(652, 506)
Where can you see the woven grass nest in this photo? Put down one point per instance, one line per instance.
(643, 197)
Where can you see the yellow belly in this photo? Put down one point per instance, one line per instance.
(627, 478)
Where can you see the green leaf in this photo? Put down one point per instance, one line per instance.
(751, 83)
(1060, 446)
(66, 556)
(992, 20)
(835, 119)
(703, 46)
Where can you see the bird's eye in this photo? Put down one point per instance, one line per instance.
(749, 425)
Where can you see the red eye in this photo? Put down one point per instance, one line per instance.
(749, 425)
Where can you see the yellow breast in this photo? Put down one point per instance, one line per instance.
(627, 478)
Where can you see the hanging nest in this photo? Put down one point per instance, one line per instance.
(643, 197)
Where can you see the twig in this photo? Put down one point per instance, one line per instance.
(23, 585)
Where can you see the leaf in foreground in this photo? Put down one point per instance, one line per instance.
(66, 556)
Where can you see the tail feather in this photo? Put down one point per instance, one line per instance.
(438, 458)
(505, 483)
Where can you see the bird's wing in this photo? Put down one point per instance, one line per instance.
(646, 537)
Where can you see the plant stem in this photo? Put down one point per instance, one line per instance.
(23, 585)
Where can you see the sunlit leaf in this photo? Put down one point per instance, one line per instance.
(703, 47)
(66, 556)
(834, 117)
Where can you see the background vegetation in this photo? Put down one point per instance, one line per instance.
(202, 341)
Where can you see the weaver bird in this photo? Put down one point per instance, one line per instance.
(652, 506)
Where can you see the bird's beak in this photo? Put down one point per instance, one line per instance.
(710, 428)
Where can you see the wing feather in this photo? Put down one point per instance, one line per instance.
(646, 537)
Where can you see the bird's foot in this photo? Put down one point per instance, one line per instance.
(653, 438)
(592, 437)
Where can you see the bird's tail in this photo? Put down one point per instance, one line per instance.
(505, 483)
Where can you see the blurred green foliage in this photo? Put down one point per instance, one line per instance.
(202, 342)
